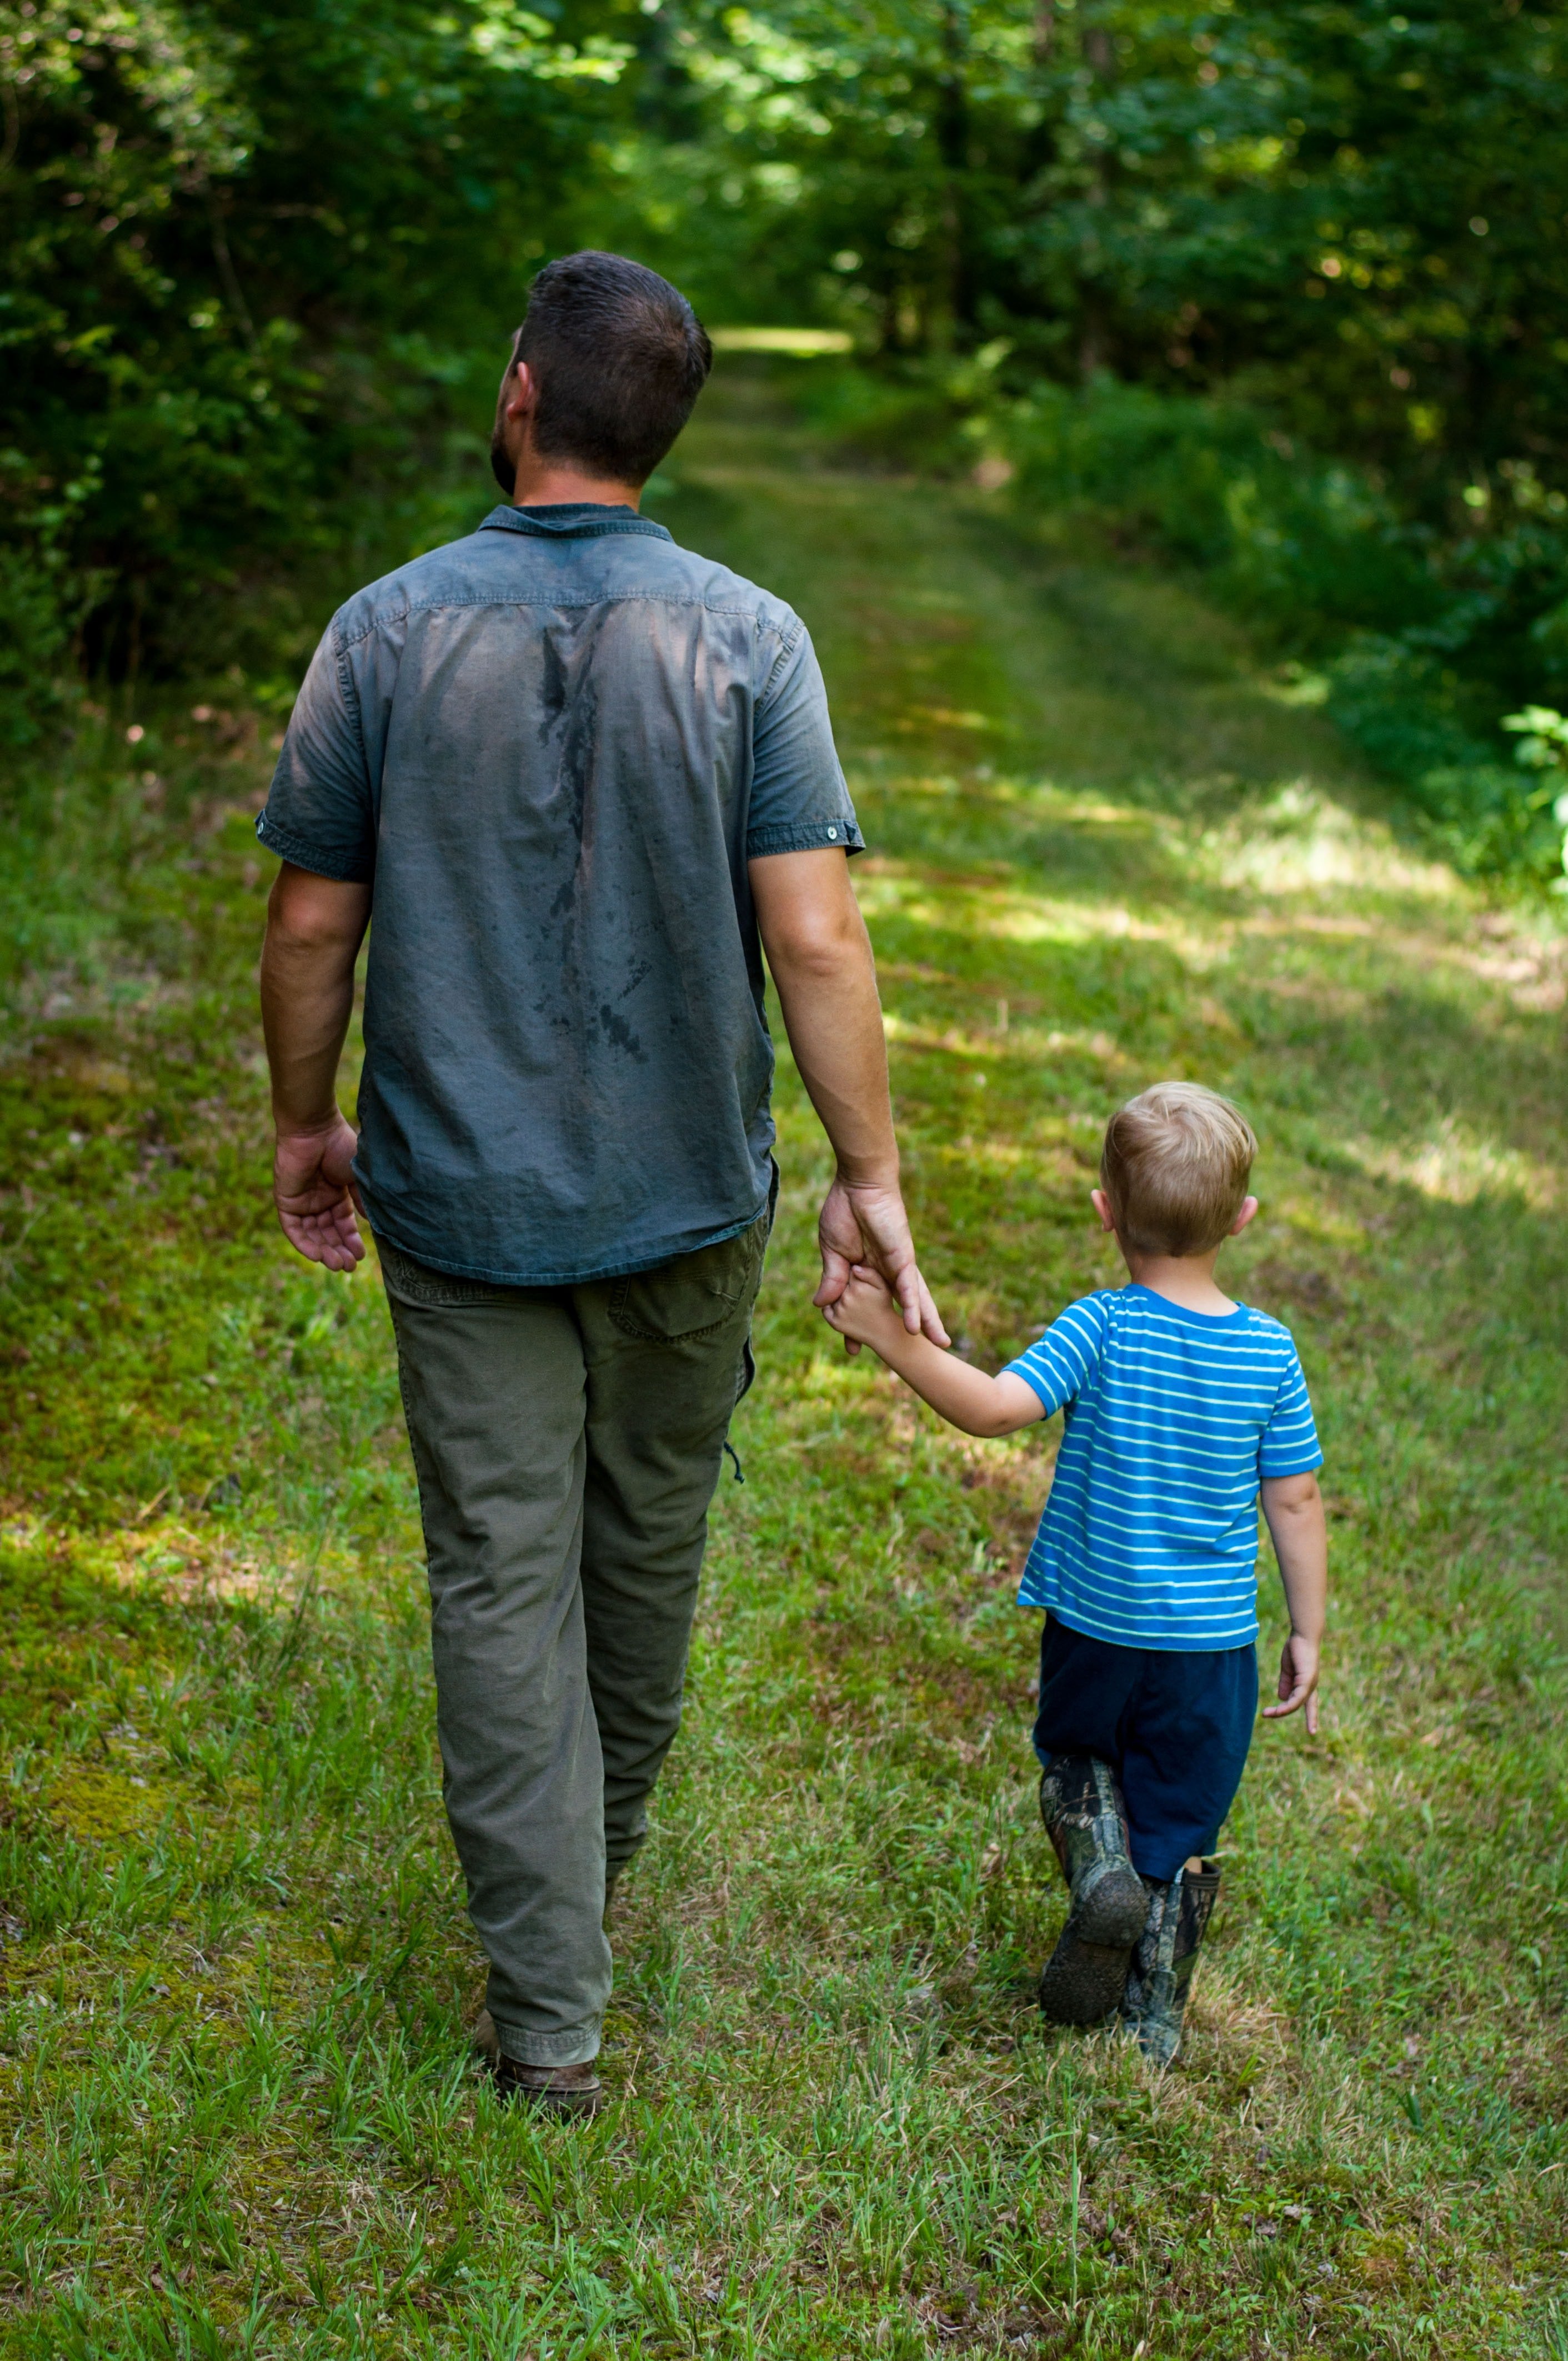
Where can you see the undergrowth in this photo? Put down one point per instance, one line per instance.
(1419, 631)
(236, 1978)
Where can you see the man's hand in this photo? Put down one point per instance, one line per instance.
(1298, 1681)
(863, 1223)
(315, 1196)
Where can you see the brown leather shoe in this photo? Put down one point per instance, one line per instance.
(567, 2091)
(564, 2091)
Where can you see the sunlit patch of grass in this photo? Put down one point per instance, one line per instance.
(238, 2114)
(1300, 840)
(1460, 1167)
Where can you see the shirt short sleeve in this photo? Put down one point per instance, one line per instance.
(1289, 1444)
(799, 800)
(1060, 1364)
(319, 812)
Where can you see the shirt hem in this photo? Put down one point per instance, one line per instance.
(1017, 1370)
(300, 855)
(567, 1277)
(1160, 1642)
(763, 843)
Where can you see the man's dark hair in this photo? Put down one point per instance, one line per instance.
(618, 356)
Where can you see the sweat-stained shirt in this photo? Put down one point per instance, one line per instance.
(552, 749)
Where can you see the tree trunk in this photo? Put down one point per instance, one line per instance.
(952, 147)
(1100, 56)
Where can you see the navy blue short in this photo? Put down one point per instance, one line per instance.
(1175, 1727)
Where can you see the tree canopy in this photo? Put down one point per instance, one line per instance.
(252, 250)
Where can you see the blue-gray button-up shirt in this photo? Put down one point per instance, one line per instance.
(552, 749)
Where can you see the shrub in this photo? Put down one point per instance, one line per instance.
(222, 223)
(1422, 639)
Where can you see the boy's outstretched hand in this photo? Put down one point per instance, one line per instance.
(866, 1313)
(1298, 1681)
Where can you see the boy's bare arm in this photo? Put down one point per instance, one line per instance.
(965, 1398)
(1293, 1508)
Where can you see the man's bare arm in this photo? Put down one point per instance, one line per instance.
(820, 957)
(314, 928)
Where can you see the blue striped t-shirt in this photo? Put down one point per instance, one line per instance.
(1149, 1537)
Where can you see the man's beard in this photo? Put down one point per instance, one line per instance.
(503, 470)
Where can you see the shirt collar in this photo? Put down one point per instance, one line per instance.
(1242, 1311)
(573, 519)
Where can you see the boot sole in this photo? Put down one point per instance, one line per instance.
(1086, 1975)
(568, 2106)
(574, 2099)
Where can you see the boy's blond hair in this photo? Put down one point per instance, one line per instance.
(1175, 1167)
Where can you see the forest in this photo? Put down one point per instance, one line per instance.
(1280, 293)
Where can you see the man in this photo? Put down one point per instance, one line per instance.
(574, 771)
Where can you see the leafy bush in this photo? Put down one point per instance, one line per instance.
(1309, 545)
(35, 630)
(906, 413)
(224, 225)
(1421, 639)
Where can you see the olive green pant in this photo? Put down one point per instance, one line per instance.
(567, 1441)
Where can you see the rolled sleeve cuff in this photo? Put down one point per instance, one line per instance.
(804, 835)
(344, 866)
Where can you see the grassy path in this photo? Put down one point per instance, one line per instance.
(235, 1973)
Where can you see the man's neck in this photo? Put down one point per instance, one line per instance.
(552, 484)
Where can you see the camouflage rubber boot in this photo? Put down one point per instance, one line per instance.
(1155, 2001)
(1081, 1807)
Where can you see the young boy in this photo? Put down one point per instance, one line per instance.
(1181, 1407)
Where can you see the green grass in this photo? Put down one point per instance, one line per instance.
(236, 1975)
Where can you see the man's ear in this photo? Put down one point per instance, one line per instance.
(1249, 1207)
(521, 392)
(1102, 1205)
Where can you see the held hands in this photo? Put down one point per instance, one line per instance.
(315, 1196)
(1298, 1681)
(865, 1224)
(866, 1312)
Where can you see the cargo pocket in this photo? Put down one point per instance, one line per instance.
(416, 1283)
(695, 1296)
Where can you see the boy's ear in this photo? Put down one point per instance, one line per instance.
(1249, 1207)
(1102, 1205)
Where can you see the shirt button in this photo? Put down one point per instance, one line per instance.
(832, 834)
